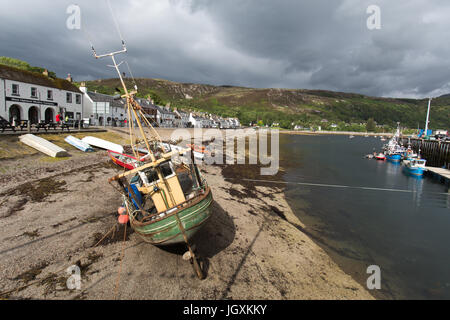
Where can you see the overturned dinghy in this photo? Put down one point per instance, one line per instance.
(103, 144)
(43, 146)
(77, 143)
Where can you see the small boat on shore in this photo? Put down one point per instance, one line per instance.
(103, 144)
(77, 143)
(124, 160)
(43, 146)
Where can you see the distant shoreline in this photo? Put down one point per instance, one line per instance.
(339, 133)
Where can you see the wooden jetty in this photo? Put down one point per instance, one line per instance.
(441, 174)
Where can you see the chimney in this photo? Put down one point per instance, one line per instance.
(83, 87)
(45, 73)
(69, 78)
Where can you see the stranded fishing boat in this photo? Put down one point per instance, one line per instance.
(165, 198)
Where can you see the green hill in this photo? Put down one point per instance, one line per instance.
(22, 65)
(284, 106)
(287, 106)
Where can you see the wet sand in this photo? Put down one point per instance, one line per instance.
(54, 212)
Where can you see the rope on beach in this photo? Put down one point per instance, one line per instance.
(104, 237)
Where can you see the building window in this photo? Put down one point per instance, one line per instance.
(15, 89)
(49, 95)
(78, 98)
(68, 97)
(33, 92)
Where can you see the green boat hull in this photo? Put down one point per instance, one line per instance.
(167, 231)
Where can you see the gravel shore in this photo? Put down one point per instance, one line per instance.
(54, 212)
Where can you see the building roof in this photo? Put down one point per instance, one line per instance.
(10, 73)
(164, 111)
(99, 97)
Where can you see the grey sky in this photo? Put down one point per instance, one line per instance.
(313, 44)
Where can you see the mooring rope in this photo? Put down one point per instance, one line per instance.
(342, 186)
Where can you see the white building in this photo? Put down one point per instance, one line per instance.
(195, 121)
(36, 97)
(102, 109)
(167, 117)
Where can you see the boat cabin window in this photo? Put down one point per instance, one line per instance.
(166, 170)
(151, 175)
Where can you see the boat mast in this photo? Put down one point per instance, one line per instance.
(128, 96)
(428, 117)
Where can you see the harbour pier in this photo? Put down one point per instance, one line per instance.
(436, 152)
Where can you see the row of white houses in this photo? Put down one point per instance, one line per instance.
(34, 97)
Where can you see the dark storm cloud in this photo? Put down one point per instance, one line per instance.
(322, 44)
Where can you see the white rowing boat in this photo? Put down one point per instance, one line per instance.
(103, 144)
(43, 146)
(77, 143)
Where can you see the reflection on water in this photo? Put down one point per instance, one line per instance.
(388, 218)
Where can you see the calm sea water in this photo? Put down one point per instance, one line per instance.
(366, 212)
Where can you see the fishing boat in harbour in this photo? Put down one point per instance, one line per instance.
(165, 198)
(394, 157)
(393, 150)
(415, 167)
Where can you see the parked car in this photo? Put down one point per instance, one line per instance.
(442, 137)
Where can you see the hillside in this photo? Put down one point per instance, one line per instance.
(285, 106)
(304, 107)
(22, 65)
